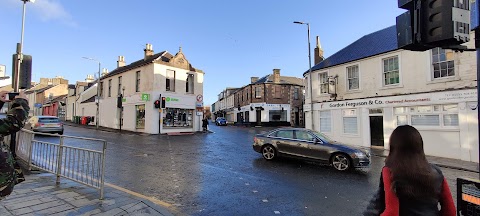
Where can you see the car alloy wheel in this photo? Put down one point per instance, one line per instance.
(269, 152)
(340, 162)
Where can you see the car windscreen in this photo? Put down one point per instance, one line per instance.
(48, 120)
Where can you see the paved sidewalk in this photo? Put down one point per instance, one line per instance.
(439, 161)
(39, 195)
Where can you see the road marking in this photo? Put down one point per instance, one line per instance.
(151, 199)
(276, 212)
(247, 184)
(265, 200)
(255, 191)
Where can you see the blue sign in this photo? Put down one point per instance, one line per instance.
(474, 15)
(38, 105)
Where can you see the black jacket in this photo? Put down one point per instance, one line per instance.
(409, 206)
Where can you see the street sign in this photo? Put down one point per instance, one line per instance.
(145, 97)
(468, 196)
(473, 15)
(2, 70)
(199, 104)
(38, 105)
(199, 98)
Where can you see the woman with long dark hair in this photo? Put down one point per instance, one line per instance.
(409, 185)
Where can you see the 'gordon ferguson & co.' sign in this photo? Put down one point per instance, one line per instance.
(406, 100)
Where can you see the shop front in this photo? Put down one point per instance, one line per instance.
(446, 120)
(180, 114)
(263, 114)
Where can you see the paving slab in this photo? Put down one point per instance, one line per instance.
(39, 195)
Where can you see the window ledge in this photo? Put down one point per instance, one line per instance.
(391, 86)
(443, 80)
(353, 91)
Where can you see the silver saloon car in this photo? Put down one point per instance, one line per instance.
(46, 124)
(309, 145)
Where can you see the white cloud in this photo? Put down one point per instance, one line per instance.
(47, 10)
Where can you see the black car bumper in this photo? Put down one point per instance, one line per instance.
(257, 148)
(361, 162)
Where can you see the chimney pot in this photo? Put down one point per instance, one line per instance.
(148, 51)
(121, 61)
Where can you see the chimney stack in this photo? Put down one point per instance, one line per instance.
(105, 71)
(318, 52)
(121, 61)
(89, 79)
(148, 51)
(276, 75)
(253, 79)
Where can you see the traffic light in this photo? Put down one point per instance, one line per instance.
(157, 104)
(433, 23)
(445, 22)
(163, 102)
(120, 101)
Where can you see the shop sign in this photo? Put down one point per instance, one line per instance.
(38, 105)
(145, 97)
(447, 97)
(172, 99)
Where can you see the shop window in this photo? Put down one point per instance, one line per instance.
(323, 79)
(325, 121)
(350, 125)
(352, 78)
(178, 118)
(391, 74)
(450, 120)
(170, 81)
(190, 83)
(425, 120)
(277, 116)
(443, 63)
(140, 121)
(402, 120)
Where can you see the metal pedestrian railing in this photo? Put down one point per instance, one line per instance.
(66, 156)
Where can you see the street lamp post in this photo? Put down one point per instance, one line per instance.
(309, 71)
(97, 101)
(16, 81)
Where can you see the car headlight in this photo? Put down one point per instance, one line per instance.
(360, 154)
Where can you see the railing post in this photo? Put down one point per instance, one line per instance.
(30, 150)
(102, 180)
(59, 159)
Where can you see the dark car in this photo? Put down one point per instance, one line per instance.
(310, 145)
(221, 121)
(46, 124)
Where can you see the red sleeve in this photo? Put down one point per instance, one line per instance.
(446, 201)
(392, 204)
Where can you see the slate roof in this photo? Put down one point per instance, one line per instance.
(90, 100)
(44, 89)
(283, 80)
(373, 44)
(140, 63)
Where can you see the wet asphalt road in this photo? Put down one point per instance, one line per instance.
(220, 174)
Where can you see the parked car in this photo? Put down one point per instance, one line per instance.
(309, 145)
(221, 121)
(46, 124)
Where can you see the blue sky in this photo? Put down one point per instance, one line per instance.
(230, 40)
